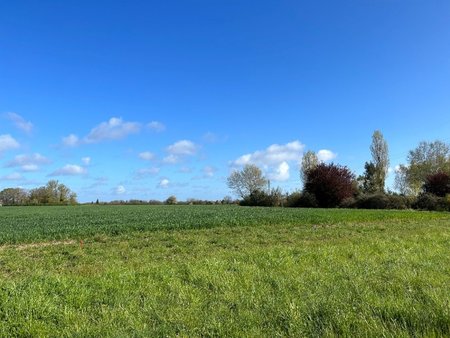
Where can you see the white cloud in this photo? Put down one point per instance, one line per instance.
(114, 129)
(70, 170)
(86, 160)
(326, 155)
(120, 190)
(142, 173)
(273, 155)
(183, 147)
(146, 156)
(281, 173)
(171, 159)
(20, 122)
(28, 162)
(164, 183)
(209, 171)
(156, 126)
(30, 167)
(71, 141)
(7, 142)
(13, 177)
(274, 160)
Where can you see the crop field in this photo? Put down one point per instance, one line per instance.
(118, 271)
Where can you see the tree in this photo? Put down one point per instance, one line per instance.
(380, 158)
(426, 159)
(53, 193)
(309, 161)
(367, 182)
(330, 184)
(401, 180)
(13, 196)
(437, 184)
(171, 200)
(246, 181)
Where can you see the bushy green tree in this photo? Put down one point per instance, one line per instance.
(368, 182)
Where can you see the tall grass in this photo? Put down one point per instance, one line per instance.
(377, 274)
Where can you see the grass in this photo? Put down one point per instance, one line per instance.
(223, 271)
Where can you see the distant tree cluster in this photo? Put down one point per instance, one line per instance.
(423, 183)
(53, 193)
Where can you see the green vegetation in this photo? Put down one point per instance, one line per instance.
(223, 271)
(31, 224)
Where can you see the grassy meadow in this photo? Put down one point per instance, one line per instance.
(116, 271)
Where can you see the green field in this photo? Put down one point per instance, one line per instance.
(223, 271)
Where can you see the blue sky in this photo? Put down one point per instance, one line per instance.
(145, 99)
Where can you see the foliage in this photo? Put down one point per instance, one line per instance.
(437, 184)
(53, 193)
(427, 159)
(171, 200)
(263, 199)
(373, 201)
(309, 162)
(431, 202)
(246, 181)
(330, 184)
(368, 181)
(380, 158)
(354, 273)
(13, 196)
(378, 201)
(293, 199)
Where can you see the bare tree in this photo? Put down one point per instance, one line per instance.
(309, 162)
(380, 158)
(246, 181)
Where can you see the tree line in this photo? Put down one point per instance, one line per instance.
(422, 183)
(53, 193)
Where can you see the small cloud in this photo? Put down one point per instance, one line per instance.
(209, 171)
(7, 142)
(120, 190)
(20, 122)
(164, 183)
(274, 160)
(28, 162)
(30, 167)
(13, 177)
(156, 126)
(273, 155)
(281, 173)
(71, 141)
(325, 155)
(171, 159)
(183, 148)
(114, 129)
(86, 160)
(146, 156)
(143, 173)
(70, 170)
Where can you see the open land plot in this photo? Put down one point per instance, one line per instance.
(223, 271)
